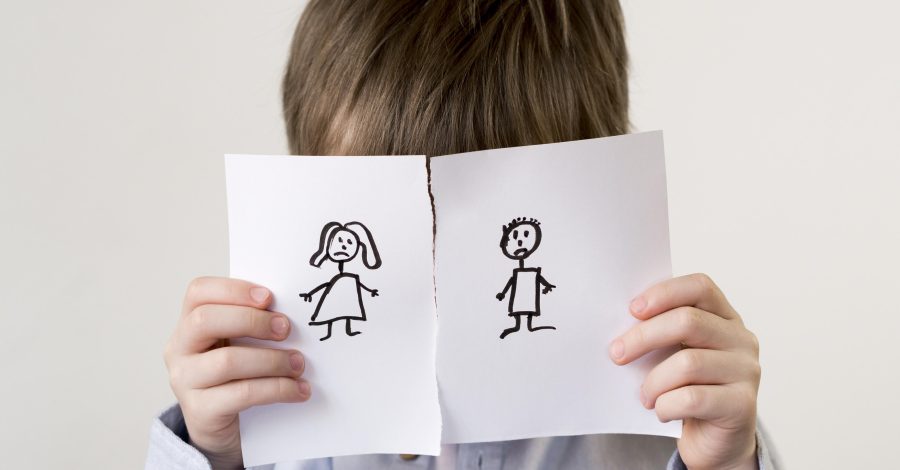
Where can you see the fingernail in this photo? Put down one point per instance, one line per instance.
(638, 305)
(279, 326)
(617, 349)
(296, 361)
(303, 387)
(644, 399)
(259, 294)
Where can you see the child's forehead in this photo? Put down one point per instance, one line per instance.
(525, 225)
(343, 233)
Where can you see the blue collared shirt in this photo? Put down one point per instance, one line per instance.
(169, 450)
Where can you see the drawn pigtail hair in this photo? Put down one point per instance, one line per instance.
(327, 234)
(369, 251)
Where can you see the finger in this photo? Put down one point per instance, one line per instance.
(236, 396)
(695, 290)
(207, 324)
(686, 326)
(223, 365)
(718, 403)
(225, 291)
(697, 367)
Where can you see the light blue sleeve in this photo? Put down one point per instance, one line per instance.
(169, 449)
(765, 453)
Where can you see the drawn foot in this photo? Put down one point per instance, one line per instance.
(328, 335)
(349, 332)
(507, 332)
(542, 328)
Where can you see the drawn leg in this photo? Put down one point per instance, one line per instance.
(329, 332)
(351, 333)
(535, 328)
(515, 328)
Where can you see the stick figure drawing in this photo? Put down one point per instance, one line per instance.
(521, 237)
(342, 299)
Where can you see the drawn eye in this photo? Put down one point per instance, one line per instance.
(515, 234)
(341, 240)
(526, 234)
(349, 241)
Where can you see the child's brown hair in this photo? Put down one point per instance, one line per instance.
(377, 77)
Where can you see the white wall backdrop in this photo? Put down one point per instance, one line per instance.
(784, 178)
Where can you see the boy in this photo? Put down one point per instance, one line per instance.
(375, 77)
(521, 238)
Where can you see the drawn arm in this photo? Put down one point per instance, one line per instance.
(547, 286)
(309, 295)
(374, 292)
(502, 294)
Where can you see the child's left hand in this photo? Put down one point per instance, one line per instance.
(711, 383)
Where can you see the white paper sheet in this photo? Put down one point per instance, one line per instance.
(375, 392)
(602, 210)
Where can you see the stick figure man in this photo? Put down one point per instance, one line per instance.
(521, 237)
(342, 299)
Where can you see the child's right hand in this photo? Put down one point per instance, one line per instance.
(214, 381)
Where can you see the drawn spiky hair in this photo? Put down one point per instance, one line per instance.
(508, 228)
(521, 220)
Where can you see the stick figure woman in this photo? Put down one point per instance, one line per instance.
(342, 299)
(520, 239)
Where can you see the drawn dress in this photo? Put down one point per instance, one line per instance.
(345, 303)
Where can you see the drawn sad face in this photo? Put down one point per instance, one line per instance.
(343, 246)
(521, 240)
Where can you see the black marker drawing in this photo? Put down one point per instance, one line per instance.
(342, 299)
(521, 238)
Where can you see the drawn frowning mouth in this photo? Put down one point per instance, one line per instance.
(523, 250)
(341, 253)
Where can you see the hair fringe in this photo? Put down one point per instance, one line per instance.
(369, 77)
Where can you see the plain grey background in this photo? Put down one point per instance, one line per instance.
(784, 183)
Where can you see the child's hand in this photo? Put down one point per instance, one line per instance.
(213, 382)
(711, 383)
(374, 292)
(500, 296)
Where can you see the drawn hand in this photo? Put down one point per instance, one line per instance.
(500, 296)
(306, 297)
(711, 383)
(215, 381)
(548, 288)
(374, 292)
